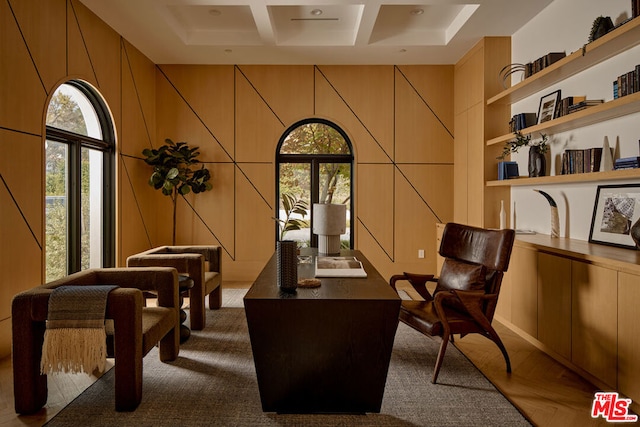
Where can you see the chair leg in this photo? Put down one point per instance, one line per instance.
(215, 298)
(443, 349)
(493, 335)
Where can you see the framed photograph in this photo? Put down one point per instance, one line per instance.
(548, 106)
(616, 209)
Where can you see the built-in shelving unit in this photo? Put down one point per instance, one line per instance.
(622, 38)
(615, 42)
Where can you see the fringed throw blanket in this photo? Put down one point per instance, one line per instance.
(75, 338)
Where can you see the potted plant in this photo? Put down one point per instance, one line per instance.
(174, 173)
(537, 151)
(292, 205)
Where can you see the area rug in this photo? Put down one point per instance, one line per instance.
(213, 383)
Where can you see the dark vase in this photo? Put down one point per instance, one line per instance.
(635, 233)
(287, 265)
(537, 162)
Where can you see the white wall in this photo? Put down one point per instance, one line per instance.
(565, 26)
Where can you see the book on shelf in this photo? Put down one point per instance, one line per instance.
(522, 120)
(626, 163)
(565, 103)
(339, 266)
(508, 170)
(543, 62)
(584, 104)
(581, 160)
(627, 83)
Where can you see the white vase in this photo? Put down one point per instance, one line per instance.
(503, 215)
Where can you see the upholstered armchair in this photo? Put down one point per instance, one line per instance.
(466, 293)
(137, 329)
(201, 263)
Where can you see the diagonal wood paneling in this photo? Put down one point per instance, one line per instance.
(287, 89)
(375, 204)
(433, 185)
(43, 26)
(420, 135)
(21, 103)
(330, 105)
(78, 60)
(208, 90)
(368, 92)
(258, 128)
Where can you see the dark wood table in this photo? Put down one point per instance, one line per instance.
(326, 349)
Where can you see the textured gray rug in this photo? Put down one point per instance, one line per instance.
(213, 383)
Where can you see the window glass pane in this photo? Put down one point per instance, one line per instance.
(91, 212)
(57, 161)
(314, 138)
(295, 179)
(335, 187)
(69, 109)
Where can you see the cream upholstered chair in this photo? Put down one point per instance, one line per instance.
(202, 263)
(137, 329)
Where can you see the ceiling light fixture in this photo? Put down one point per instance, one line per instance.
(316, 12)
(416, 12)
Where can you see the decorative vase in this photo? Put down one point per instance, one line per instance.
(634, 232)
(537, 162)
(287, 265)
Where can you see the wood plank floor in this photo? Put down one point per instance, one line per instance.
(544, 390)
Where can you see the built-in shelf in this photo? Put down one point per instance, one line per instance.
(620, 39)
(566, 179)
(599, 113)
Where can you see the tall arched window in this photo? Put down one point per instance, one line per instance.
(314, 164)
(79, 174)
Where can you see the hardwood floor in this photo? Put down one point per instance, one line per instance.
(544, 390)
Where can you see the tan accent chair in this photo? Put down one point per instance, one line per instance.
(466, 293)
(201, 263)
(137, 330)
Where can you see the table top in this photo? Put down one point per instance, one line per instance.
(373, 287)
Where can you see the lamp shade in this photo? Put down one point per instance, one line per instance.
(329, 222)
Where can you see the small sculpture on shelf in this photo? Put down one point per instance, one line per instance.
(537, 151)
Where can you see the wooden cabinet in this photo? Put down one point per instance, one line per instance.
(629, 335)
(523, 286)
(474, 82)
(594, 320)
(554, 303)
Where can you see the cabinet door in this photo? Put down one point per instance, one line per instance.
(554, 303)
(629, 336)
(594, 319)
(523, 282)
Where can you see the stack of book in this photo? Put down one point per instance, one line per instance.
(565, 103)
(627, 83)
(584, 104)
(522, 121)
(581, 160)
(508, 170)
(627, 163)
(543, 62)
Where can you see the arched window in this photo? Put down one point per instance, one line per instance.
(79, 176)
(314, 164)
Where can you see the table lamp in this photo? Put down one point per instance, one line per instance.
(329, 222)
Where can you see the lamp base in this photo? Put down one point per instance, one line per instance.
(328, 245)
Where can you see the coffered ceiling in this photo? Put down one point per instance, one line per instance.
(311, 31)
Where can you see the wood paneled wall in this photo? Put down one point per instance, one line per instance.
(399, 119)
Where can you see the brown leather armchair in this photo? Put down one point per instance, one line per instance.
(201, 263)
(137, 329)
(466, 293)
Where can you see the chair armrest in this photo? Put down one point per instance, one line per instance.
(472, 301)
(183, 262)
(417, 281)
(162, 280)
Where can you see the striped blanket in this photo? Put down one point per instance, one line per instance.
(75, 338)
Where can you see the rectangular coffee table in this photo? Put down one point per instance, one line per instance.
(326, 349)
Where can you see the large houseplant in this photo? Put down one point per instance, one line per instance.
(174, 172)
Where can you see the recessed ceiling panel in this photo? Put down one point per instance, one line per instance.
(418, 25)
(325, 25)
(214, 25)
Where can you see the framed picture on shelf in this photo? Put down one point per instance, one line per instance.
(548, 106)
(616, 209)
